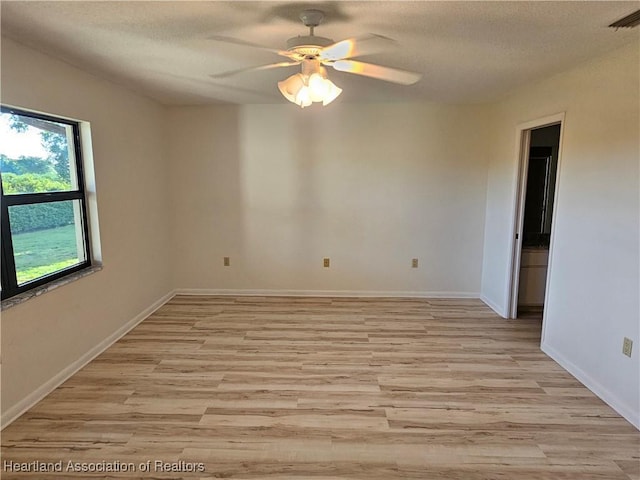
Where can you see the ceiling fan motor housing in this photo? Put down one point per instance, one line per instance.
(308, 45)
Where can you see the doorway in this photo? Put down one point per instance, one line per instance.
(539, 158)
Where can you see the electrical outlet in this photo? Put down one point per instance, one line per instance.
(627, 345)
(226, 261)
(326, 262)
(414, 263)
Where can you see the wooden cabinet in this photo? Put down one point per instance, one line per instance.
(533, 277)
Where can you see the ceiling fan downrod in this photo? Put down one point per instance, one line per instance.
(309, 46)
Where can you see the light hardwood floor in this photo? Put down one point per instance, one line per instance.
(328, 388)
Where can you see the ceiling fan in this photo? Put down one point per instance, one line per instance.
(314, 53)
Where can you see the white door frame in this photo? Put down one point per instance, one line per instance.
(523, 138)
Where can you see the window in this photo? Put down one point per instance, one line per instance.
(43, 209)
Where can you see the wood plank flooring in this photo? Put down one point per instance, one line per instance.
(324, 388)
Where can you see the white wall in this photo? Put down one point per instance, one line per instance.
(45, 335)
(593, 291)
(277, 188)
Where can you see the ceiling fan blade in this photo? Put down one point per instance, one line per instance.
(236, 41)
(253, 69)
(394, 75)
(354, 47)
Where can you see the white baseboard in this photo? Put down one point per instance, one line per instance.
(324, 293)
(631, 415)
(494, 307)
(45, 389)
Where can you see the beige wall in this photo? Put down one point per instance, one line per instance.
(278, 188)
(593, 290)
(44, 335)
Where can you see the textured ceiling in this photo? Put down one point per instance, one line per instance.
(468, 52)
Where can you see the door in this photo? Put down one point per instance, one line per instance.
(539, 159)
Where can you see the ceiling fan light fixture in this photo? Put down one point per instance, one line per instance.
(309, 87)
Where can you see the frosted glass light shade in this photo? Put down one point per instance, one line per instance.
(291, 86)
(317, 87)
(332, 92)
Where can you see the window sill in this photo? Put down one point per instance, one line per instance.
(23, 297)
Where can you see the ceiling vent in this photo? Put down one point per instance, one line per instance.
(629, 21)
